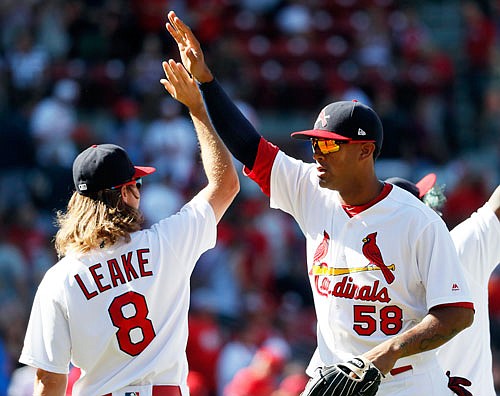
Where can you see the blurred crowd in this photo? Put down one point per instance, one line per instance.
(79, 72)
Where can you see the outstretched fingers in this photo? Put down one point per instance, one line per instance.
(166, 82)
(181, 32)
(179, 83)
(189, 48)
(174, 33)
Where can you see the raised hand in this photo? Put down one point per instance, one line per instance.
(189, 48)
(180, 85)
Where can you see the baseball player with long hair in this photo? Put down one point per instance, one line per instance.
(381, 264)
(116, 304)
(470, 369)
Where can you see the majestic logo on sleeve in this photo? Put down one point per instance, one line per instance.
(346, 287)
(372, 253)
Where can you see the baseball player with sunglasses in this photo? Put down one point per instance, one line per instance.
(476, 239)
(381, 264)
(116, 304)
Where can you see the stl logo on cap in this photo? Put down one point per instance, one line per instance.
(323, 118)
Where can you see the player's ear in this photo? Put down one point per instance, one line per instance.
(367, 150)
(128, 193)
(124, 192)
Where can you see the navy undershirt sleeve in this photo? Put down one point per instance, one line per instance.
(234, 129)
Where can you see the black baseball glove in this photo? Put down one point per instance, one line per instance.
(357, 377)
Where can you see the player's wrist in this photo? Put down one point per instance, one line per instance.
(205, 77)
(197, 109)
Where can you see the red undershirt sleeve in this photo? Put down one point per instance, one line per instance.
(261, 172)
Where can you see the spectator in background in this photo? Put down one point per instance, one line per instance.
(128, 128)
(247, 335)
(292, 385)
(13, 274)
(479, 38)
(144, 66)
(204, 343)
(53, 122)
(21, 382)
(28, 65)
(172, 153)
(489, 123)
(469, 194)
(261, 377)
(52, 30)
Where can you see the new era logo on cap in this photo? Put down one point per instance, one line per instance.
(361, 132)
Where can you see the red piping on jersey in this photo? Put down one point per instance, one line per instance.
(161, 390)
(261, 172)
(353, 210)
(467, 305)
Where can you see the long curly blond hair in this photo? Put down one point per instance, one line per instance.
(89, 223)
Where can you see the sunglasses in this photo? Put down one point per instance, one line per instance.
(327, 146)
(137, 182)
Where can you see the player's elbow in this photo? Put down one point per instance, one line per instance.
(467, 317)
(231, 184)
(453, 319)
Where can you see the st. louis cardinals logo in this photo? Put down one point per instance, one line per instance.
(372, 253)
(322, 119)
(322, 272)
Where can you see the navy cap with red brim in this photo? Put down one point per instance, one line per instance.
(426, 183)
(141, 171)
(319, 134)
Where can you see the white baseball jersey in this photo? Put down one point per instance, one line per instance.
(477, 244)
(374, 274)
(121, 313)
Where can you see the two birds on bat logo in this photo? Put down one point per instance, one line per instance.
(369, 249)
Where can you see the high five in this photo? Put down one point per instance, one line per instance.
(351, 219)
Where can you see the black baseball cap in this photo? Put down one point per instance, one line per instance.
(103, 166)
(419, 189)
(346, 121)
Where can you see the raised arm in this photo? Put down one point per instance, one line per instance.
(235, 130)
(223, 184)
